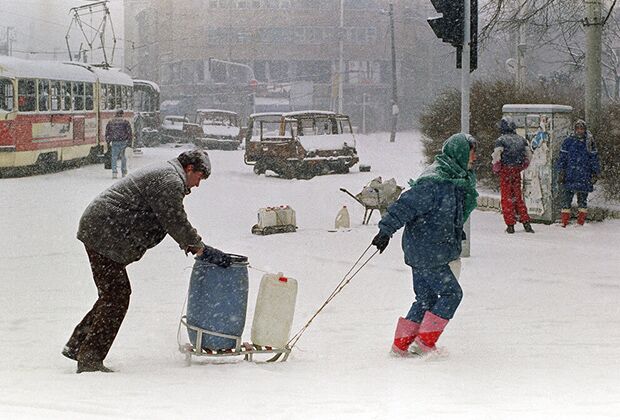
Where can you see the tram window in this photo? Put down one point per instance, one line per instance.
(103, 93)
(27, 95)
(88, 88)
(111, 97)
(78, 96)
(65, 91)
(119, 97)
(123, 97)
(56, 98)
(44, 95)
(6, 95)
(129, 98)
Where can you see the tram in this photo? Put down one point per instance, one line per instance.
(54, 114)
(147, 116)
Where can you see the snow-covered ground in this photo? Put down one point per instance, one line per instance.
(536, 336)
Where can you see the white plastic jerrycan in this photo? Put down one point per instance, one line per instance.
(343, 220)
(275, 307)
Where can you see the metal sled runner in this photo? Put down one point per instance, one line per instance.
(247, 350)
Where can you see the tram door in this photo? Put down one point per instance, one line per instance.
(78, 128)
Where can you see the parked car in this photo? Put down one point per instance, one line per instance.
(217, 129)
(300, 144)
(173, 129)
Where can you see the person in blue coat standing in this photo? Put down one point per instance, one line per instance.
(433, 212)
(578, 170)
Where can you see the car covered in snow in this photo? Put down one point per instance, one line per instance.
(218, 129)
(300, 144)
(173, 129)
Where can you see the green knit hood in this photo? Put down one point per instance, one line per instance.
(451, 165)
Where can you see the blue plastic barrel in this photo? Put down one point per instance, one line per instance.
(217, 301)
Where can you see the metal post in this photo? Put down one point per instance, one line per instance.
(593, 29)
(465, 99)
(394, 93)
(465, 69)
(364, 113)
(341, 58)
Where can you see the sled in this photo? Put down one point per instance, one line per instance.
(247, 350)
(269, 230)
(280, 219)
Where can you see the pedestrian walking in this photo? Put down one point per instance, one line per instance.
(118, 136)
(510, 157)
(433, 212)
(578, 170)
(117, 228)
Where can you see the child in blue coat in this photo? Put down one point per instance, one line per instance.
(433, 212)
(578, 170)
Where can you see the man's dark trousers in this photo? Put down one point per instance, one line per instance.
(94, 335)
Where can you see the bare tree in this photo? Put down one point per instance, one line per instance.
(557, 27)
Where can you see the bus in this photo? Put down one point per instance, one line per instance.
(54, 114)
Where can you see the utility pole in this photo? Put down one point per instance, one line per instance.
(9, 40)
(466, 250)
(593, 27)
(341, 58)
(394, 93)
(521, 47)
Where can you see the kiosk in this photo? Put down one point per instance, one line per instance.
(544, 126)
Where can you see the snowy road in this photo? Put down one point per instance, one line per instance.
(536, 336)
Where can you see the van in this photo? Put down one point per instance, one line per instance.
(300, 144)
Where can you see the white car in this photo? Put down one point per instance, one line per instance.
(173, 128)
(220, 129)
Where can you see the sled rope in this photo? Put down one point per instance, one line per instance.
(345, 280)
(258, 269)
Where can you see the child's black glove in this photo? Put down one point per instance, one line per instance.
(381, 241)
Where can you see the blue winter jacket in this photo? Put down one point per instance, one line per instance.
(579, 161)
(432, 213)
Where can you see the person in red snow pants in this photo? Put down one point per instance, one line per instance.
(512, 197)
(511, 155)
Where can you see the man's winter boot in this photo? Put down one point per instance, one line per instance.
(581, 217)
(430, 329)
(406, 331)
(510, 228)
(69, 352)
(528, 227)
(565, 217)
(92, 367)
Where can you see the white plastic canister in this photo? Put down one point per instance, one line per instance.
(276, 216)
(343, 221)
(275, 307)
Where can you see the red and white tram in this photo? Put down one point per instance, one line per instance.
(53, 113)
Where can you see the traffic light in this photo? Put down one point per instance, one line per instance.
(449, 27)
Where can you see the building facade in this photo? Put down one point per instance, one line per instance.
(205, 53)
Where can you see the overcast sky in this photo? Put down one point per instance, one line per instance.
(41, 26)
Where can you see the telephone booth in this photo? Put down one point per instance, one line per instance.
(544, 126)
